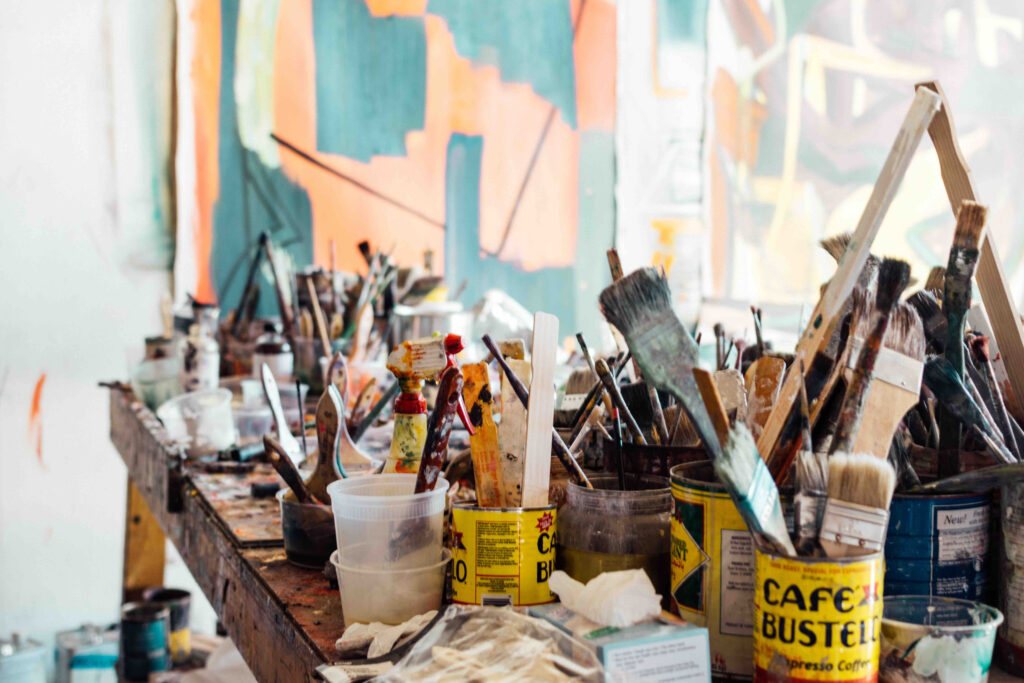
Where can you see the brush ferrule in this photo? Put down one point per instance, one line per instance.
(807, 511)
(854, 525)
(891, 366)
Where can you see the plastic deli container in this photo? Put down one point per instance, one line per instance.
(394, 527)
(940, 640)
(389, 596)
(201, 420)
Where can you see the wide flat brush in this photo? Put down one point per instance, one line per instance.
(860, 488)
(640, 306)
(329, 416)
(932, 317)
(742, 471)
(826, 314)
(892, 279)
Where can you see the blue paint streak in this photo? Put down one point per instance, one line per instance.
(530, 41)
(371, 79)
(596, 232)
(549, 289)
(253, 197)
(682, 21)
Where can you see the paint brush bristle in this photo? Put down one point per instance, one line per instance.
(970, 225)
(936, 280)
(893, 276)
(861, 478)
(836, 244)
(934, 321)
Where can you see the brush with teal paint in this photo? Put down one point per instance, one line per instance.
(956, 301)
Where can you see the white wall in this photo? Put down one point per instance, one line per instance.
(84, 256)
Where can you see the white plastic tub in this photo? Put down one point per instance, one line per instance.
(387, 595)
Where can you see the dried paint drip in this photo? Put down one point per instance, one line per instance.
(35, 420)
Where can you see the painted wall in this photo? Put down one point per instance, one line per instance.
(85, 252)
(480, 131)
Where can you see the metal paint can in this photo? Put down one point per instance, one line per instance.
(145, 633)
(502, 556)
(938, 545)
(1010, 637)
(817, 618)
(712, 568)
(179, 602)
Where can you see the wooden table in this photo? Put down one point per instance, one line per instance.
(283, 619)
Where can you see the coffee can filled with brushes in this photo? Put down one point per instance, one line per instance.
(502, 556)
(712, 567)
(817, 618)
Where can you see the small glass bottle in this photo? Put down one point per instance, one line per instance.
(200, 353)
(273, 349)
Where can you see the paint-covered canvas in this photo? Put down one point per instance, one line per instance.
(482, 131)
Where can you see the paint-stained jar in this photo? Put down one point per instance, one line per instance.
(604, 529)
(200, 353)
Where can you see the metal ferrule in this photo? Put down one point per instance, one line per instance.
(854, 525)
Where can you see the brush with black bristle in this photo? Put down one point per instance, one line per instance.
(892, 279)
(811, 481)
(956, 301)
(932, 317)
(640, 307)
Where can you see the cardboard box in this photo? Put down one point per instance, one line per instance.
(653, 651)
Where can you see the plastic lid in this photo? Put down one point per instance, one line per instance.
(385, 497)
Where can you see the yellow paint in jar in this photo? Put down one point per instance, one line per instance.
(502, 556)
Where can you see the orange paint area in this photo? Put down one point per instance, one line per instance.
(35, 421)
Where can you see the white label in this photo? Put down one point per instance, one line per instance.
(684, 659)
(962, 534)
(572, 401)
(737, 600)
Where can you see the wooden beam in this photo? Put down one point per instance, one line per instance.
(144, 547)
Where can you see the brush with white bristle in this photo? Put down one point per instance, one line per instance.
(860, 488)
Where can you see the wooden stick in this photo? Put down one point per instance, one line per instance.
(826, 314)
(483, 443)
(286, 468)
(512, 432)
(318, 315)
(540, 412)
(284, 292)
(992, 281)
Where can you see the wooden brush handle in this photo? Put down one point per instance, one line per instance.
(439, 428)
(576, 472)
(284, 466)
(713, 403)
(287, 314)
(318, 315)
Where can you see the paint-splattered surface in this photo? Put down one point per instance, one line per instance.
(307, 596)
(253, 522)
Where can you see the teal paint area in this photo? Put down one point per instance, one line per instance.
(252, 198)
(596, 231)
(549, 289)
(529, 41)
(371, 79)
(682, 21)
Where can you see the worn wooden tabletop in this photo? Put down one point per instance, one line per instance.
(283, 619)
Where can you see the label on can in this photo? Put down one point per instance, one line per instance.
(817, 620)
(502, 556)
(712, 579)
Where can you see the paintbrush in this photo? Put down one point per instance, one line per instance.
(935, 283)
(620, 467)
(860, 488)
(595, 394)
(439, 428)
(742, 471)
(635, 396)
(640, 306)
(899, 457)
(561, 450)
(612, 387)
(719, 331)
(318, 315)
(249, 281)
(284, 435)
(827, 313)
(733, 392)
(329, 414)
(977, 480)
(660, 433)
(281, 461)
(836, 246)
(955, 398)
(956, 300)
(758, 332)
(892, 279)
(932, 318)
(980, 350)
(282, 286)
(897, 378)
(383, 402)
(811, 481)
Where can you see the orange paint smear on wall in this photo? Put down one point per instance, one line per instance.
(35, 420)
(596, 66)
(206, 90)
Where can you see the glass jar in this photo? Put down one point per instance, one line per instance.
(604, 529)
(273, 349)
(200, 353)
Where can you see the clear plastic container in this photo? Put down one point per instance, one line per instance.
(157, 381)
(939, 640)
(604, 529)
(201, 420)
(395, 527)
(387, 595)
(247, 391)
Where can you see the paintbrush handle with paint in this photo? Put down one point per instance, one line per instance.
(612, 387)
(893, 276)
(439, 428)
(980, 350)
(278, 457)
(522, 393)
